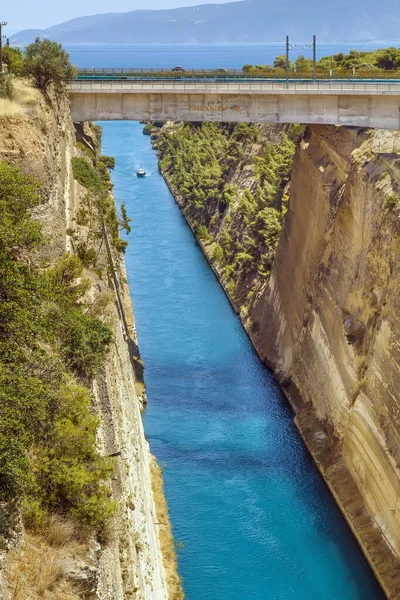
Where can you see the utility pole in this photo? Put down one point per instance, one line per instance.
(287, 61)
(314, 56)
(2, 24)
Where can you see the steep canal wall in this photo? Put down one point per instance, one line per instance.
(305, 243)
(78, 216)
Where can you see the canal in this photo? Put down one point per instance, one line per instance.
(254, 517)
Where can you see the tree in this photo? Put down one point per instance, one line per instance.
(303, 64)
(14, 60)
(280, 62)
(388, 58)
(48, 64)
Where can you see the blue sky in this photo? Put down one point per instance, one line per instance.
(25, 14)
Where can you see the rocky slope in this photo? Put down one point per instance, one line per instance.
(41, 140)
(326, 317)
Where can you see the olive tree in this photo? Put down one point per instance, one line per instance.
(48, 63)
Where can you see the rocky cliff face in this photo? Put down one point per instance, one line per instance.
(326, 318)
(329, 320)
(129, 564)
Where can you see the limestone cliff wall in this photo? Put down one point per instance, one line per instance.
(329, 322)
(130, 564)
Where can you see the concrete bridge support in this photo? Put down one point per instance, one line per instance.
(353, 104)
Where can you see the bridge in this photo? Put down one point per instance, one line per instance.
(353, 102)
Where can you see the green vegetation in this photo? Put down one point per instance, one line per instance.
(50, 347)
(108, 161)
(392, 202)
(148, 128)
(86, 174)
(93, 174)
(48, 64)
(200, 159)
(6, 86)
(13, 58)
(364, 63)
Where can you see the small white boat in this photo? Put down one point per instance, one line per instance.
(141, 173)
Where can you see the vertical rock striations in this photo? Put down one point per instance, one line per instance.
(329, 324)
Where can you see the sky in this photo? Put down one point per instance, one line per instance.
(25, 14)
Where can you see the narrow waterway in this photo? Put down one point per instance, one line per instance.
(254, 516)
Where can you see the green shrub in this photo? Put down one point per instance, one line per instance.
(48, 64)
(69, 473)
(85, 149)
(147, 129)
(86, 174)
(108, 161)
(203, 233)
(14, 60)
(231, 287)
(6, 86)
(392, 202)
(85, 342)
(33, 512)
(48, 455)
(218, 254)
(296, 132)
(244, 259)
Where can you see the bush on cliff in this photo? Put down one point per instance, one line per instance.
(6, 86)
(14, 60)
(47, 431)
(48, 64)
(95, 177)
(86, 174)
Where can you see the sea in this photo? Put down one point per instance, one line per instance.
(199, 56)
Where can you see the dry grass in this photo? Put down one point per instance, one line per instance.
(140, 388)
(174, 584)
(10, 108)
(25, 97)
(25, 94)
(35, 570)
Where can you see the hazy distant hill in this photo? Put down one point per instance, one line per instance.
(246, 21)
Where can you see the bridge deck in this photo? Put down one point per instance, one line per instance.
(267, 86)
(356, 103)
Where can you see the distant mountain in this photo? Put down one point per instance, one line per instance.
(246, 21)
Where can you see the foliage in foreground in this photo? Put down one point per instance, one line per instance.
(48, 450)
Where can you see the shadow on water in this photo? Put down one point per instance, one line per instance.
(256, 519)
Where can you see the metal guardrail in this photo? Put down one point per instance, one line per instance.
(236, 74)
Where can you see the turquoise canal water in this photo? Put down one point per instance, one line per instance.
(255, 518)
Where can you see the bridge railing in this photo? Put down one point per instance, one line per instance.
(260, 86)
(236, 74)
